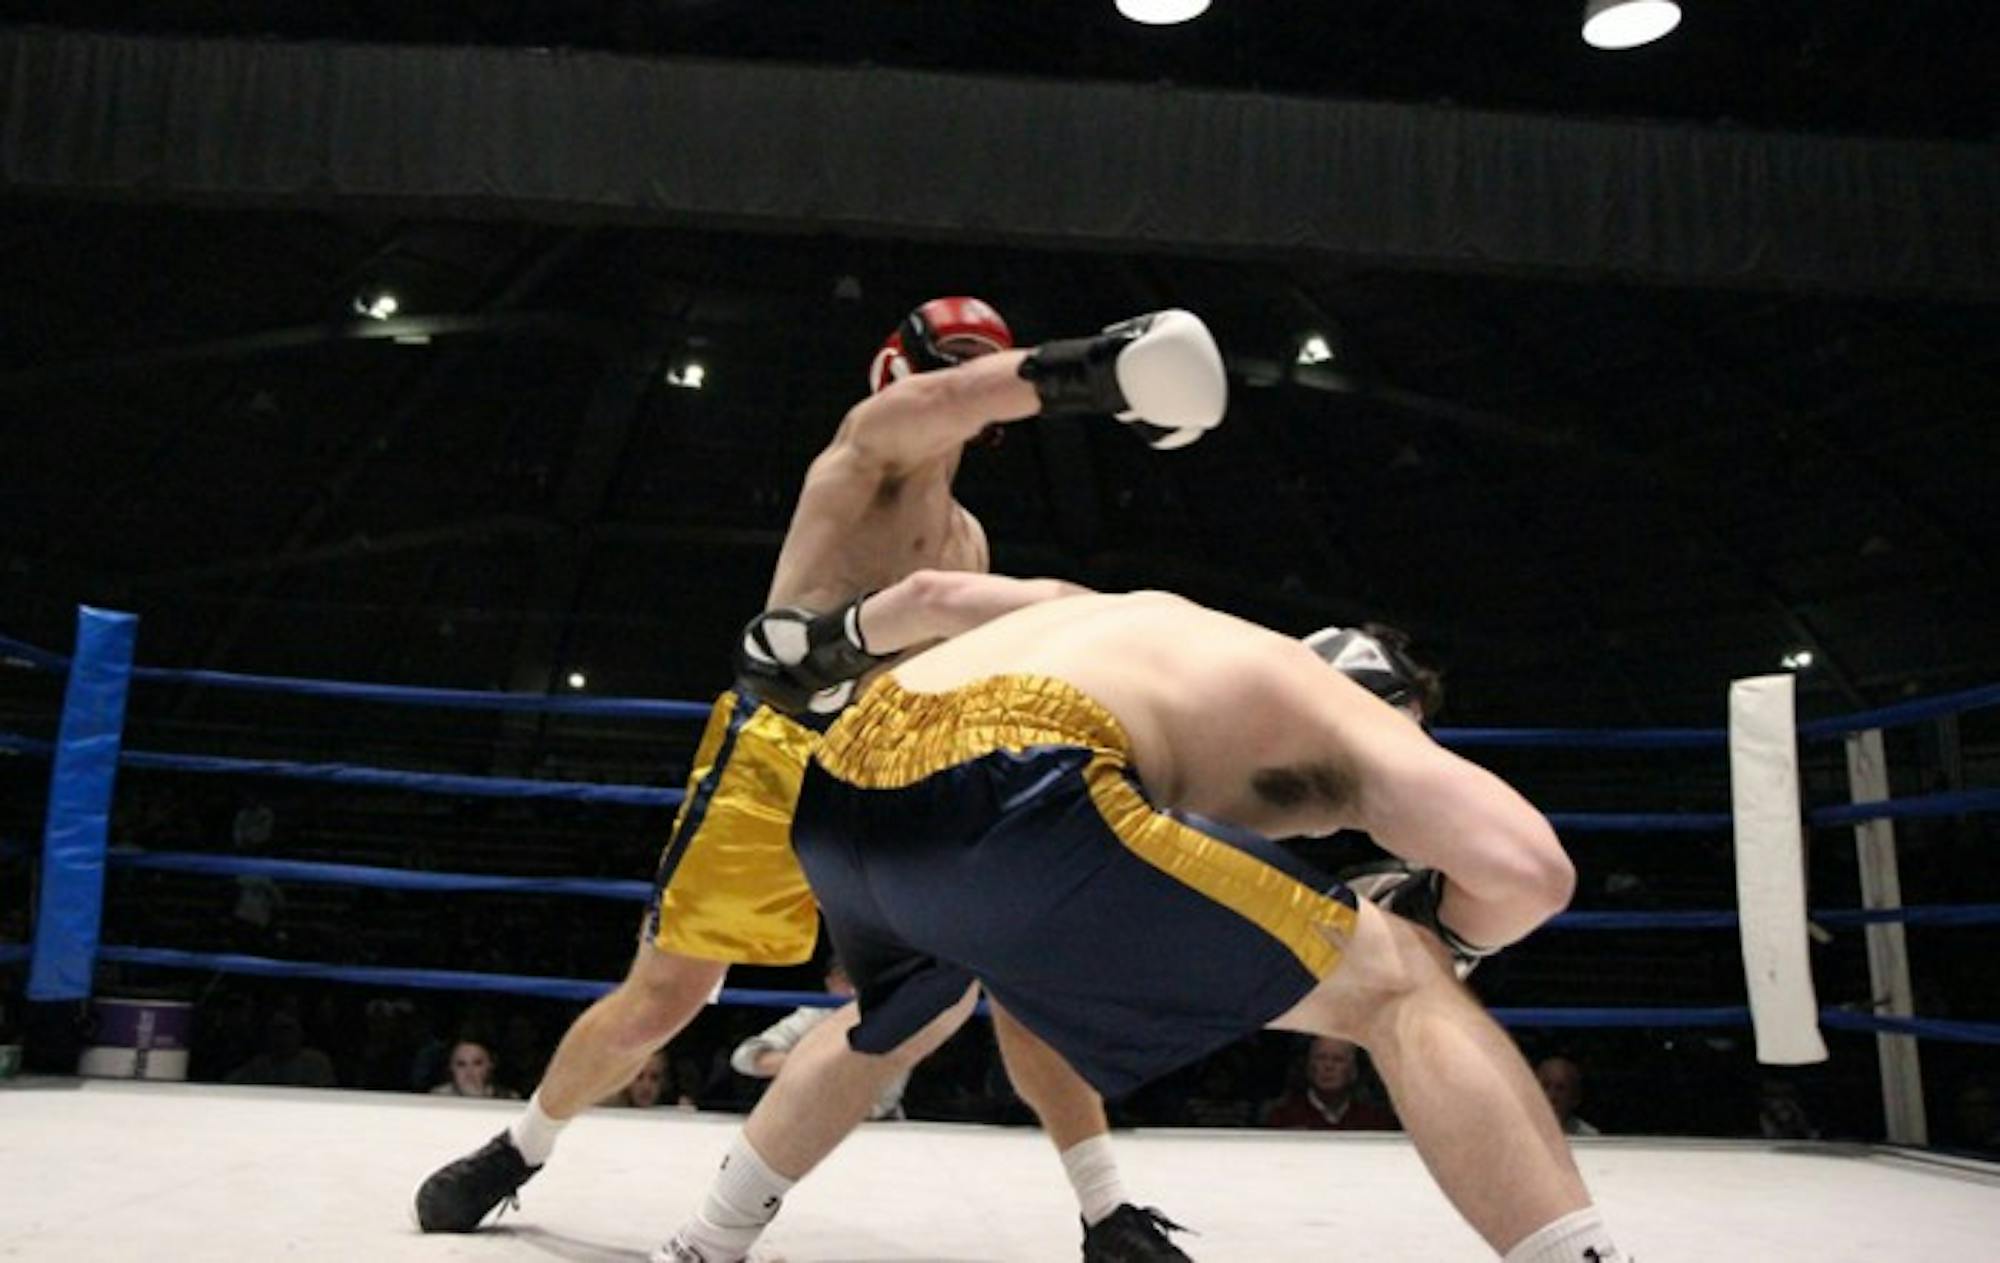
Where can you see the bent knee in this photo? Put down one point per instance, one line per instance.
(664, 991)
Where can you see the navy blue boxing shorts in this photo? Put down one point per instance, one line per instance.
(998, 833)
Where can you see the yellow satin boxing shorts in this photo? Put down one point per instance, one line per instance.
(728, 886)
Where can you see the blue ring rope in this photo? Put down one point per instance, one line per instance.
(491, 699)
(33, 655)
(579, 989)
(351, 774)
(1918, 806)
(214, 865)
(317, 873)
(1902, 713)
(1921, 806)
(425, 782)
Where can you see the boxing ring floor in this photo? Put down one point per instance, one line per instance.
(102, 1170)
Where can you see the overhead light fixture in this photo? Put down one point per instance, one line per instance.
(376, 306)
(1797, 660)
(1314, 350)
(688, 375)
(1162, 12)
(1615, 25)
(578, 679)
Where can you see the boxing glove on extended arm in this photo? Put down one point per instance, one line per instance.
(1160, 372)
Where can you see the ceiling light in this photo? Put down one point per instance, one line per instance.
(1619, 24)
(1797, 660)
(688, 376)
(1162, 12)
(578, 679)
(1314, 350)
(378, 306)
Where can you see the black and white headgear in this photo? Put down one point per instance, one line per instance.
(1371, 662)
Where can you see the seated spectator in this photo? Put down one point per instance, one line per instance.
(285, 1060)
(647, 1088)
(472, 1066)
(762, 1055)
(1562, 1082)
(1330, 1098)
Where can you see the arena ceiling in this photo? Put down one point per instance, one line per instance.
(1595, 498)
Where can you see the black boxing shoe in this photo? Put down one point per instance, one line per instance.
(1130, 1234)
(460, 1194)
(1413, 894)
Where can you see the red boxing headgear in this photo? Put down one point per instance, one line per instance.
(942, 332)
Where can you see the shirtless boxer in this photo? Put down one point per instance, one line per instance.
(1071, 807)
(876, 505)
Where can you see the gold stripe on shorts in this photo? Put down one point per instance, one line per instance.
(892, 738)
(1273, 900)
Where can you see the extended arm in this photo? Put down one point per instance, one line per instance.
(799, 661)
(1160, 372)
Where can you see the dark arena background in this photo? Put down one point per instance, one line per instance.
(444, 345)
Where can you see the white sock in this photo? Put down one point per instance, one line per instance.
(534, 1133)
(1093, 1173)
(745, 1197)
(1578, 1237)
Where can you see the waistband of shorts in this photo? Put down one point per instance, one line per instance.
(892, 737)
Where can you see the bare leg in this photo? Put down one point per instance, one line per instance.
(1460, 1086)
(822, 1093)
(608, 1044)
(826, 1088)
(599, 1054)
(1070, 1110)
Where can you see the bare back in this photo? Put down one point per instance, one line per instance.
(860, 526)
(1226, 718)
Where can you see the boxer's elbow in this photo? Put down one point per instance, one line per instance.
(1538, 870)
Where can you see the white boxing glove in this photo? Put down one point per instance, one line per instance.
(1160, 372)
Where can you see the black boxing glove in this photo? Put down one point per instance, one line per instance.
(1414, 894)
(803, 663)
(1160, 373)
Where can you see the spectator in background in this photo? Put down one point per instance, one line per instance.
(472, 1067)
(1330, 1097)
(762, 1055)
(648, 1087)
(1562, 1082)
(285, 1060)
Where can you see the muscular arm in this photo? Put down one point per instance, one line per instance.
(929, 415)
(799, 661)
(1505, 870)
(938, 604)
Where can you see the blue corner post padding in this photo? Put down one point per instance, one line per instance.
(69, 916)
